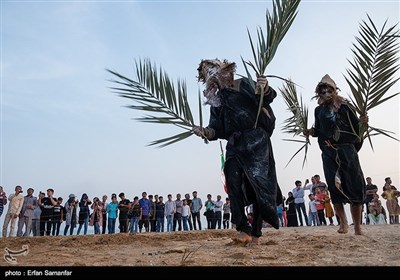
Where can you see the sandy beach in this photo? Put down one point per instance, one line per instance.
(295, 246)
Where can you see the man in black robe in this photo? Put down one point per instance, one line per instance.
(337, 128)
(250, 166)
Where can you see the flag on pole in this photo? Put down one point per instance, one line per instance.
(222, 168)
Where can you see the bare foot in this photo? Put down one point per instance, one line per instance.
(255, 241)
(343, 228)
(242, 237)
(357, 230)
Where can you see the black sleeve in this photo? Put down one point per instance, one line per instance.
(316, 126)
(216, 122)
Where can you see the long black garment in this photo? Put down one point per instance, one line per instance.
(291, 212)
(250, 166)
(340, 159)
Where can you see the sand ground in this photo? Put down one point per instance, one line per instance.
(297, 246)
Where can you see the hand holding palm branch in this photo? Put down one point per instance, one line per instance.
(278, 23)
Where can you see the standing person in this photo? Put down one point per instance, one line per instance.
(84, 213)
(209, 213)
(298, 194)
(197, 204)
(178, 213)
(218, 212)
(136, 214)
(291, 212)
(112, 212)
(160, 209)
(123, 206)
(104, 214)
(388, 184)
(391, 195)
(189, 202)
(152, 214)
(58, 217)
(3, 200)
(36, 217)
(329, 213)
(14, 208)
(320, 204)
(318, 184)
(227, 213)
(371, 189)
(169, 212)
(185, 215)
(26, 215)
(279, 210)
(250, 166)
(46, 204)
(337, 128)
(144, 218)
(70, 216)
(313, 210)
(96, 219)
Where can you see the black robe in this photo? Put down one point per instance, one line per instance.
(234, 121)
(291, 212)
(341, 129)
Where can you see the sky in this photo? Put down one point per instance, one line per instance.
(63, 128)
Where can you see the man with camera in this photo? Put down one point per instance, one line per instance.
(46, 204)
(14, 208)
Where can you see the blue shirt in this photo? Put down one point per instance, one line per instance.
(112, 210)
(145, 203)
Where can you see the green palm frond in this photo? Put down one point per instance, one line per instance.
(298, 120)
(278, 23)
(154, 92)
(374, 69)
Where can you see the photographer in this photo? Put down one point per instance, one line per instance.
(70, 210)
(84, 213)
(14, 208)
(46, 204)
(96, 219)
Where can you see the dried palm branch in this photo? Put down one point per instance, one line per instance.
(278, 23)
(154, 92)
(373, 72)
(298, 120)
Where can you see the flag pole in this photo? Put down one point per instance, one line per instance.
(222, 168)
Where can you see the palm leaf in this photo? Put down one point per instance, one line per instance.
(277, 25)
(298, 120)
(154, 92)
(373, 71)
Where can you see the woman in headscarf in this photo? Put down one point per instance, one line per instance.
(70, 212)
(84, 213)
